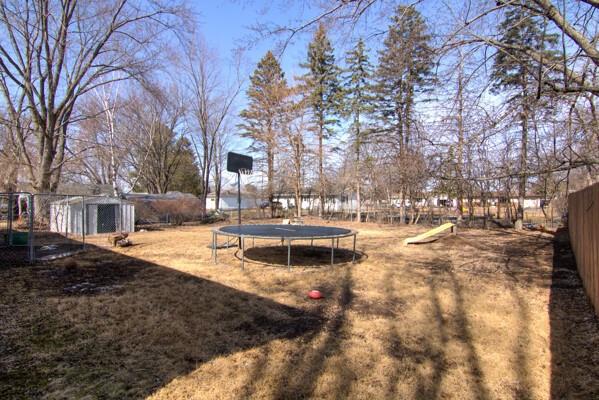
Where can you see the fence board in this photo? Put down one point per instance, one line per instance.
(583, 226)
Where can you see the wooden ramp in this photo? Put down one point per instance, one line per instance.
(432, 232)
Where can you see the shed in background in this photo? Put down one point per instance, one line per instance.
(102, 215)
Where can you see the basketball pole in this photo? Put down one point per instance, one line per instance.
(239, 202)
(238, 198)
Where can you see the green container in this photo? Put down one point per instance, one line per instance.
(18, 238)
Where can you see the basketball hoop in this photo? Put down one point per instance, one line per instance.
(241, 165)
(237, 162)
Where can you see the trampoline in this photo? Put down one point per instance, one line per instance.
(284, 233)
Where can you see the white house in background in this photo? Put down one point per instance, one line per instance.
(102, 215)
(530, 202)
(443, 200)
(311, 201)
(228, 201)
(333, 203)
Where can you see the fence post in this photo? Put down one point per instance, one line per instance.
(68, 212)
(10, 217)
(31, 209)
(83, 220)
(121, 215)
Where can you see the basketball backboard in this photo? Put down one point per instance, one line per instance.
(236, 162)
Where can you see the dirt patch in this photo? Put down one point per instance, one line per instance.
(301, 255)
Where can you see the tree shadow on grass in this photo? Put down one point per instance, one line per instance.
(112, 326)
(430, 346)
(574, 330)
(299, 376)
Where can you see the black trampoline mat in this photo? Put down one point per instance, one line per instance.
(285, 231)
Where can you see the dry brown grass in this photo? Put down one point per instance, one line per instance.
(486, 314)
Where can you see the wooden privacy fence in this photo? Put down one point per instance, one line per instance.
(583, 226)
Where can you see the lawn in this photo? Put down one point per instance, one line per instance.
(485, 314)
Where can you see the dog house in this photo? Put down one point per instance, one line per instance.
(96, 214)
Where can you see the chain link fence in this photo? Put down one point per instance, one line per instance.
(16, 225)
(47, 226)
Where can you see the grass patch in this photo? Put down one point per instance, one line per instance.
(472, 316)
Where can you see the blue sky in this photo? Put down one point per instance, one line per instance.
(226, 25)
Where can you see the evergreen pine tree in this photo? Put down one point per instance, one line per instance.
(358, 105)
(405, 65)
(512, 70)
(323, 96)
(262, 117)
(186, 177)
(169, 163)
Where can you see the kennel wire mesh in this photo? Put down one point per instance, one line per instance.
(57, 225)
(47, 226)
(15, 227)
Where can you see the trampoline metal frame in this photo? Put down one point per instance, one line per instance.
(216, 232)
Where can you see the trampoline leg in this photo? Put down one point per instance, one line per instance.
(289, 255)
(332, 251)
(354, 258)
(214, 239)
(311, 242)
(337, 242)
(242, 239)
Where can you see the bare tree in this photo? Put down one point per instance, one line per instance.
(155, 119)
(97, 149)
(211, 101)
(223, 145)
(262, 116)
(52, 53)
(296, 127)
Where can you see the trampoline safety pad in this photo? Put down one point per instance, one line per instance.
(285, 233)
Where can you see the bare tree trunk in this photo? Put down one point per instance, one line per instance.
(270, 173)
(359, 202)
(298, 201)
(460, 149)
(109, 108)
(321, 184)
(402, 212)
(298, 175)
(485, 208)
(470, 207)
(358, 170)
(217, 185)
(523, 162)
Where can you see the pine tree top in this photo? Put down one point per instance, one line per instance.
(266, 94)
(357, 83)
(321, 82)
(524, 30)
(406, 54)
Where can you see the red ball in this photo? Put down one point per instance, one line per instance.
(315, 294)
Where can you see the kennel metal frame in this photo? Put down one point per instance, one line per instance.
(10, 217)
(51, 225)
(284, 233)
